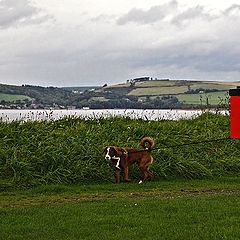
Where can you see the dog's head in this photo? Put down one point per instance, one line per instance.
(113, 152)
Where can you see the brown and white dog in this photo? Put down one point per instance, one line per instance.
(122, 158)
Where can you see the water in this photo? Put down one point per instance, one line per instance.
(156, 114)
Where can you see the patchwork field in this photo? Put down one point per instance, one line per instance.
(188, 92)
(155, 88)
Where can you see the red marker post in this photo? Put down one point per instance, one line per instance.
(234, 113)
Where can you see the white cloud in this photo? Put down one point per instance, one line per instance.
(92, 47)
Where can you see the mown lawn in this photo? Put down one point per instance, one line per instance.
(174, 209)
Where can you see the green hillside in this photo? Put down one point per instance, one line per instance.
(213, 98)
(133, 94)
(168, 87)
(185, 92)
(12, 97)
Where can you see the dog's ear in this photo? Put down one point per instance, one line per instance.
(104, 149)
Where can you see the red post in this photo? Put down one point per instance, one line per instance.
(234, 113)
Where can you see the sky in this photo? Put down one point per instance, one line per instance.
(96, 42)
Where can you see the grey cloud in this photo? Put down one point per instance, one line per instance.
(20, 12)
(169, 12)
(103, 18)
(97, 53)
(154, 14)
(234, 9)
(223, 59)
(190, 14)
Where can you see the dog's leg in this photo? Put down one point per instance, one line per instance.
(126, 174)
(150, 174)
(117, 176)
(146, 173)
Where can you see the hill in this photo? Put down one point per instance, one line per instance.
(29, 96)
(138, 93)
(180, 92)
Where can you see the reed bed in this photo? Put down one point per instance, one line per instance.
(69, 150)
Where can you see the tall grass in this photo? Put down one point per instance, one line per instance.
(69, 150)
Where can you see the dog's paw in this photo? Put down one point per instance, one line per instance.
(127, 180)
(140, 182)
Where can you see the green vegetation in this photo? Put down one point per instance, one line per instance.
(188, 94)
(156, 83)
(124, 95)
(70, 150)
(195, 209)
(154, 91)
(41, 96)
(55, 183)
(12, 97)
(212, 98)
(205, 85)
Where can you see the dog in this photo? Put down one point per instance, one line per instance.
(122, 158)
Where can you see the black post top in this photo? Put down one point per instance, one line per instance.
(234, 92)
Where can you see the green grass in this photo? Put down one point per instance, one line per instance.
(214, 98)
(12, 97)
(156, 83)
(100, 99)
(206, 217)
(176, 209)
(52, 155)
(11, 197)
(211, 86)
(155, 91)
(172, 87)
(70, 150)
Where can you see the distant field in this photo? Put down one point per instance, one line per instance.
(174, 87)
(214, 98)
(210, 86)
(156, 83)
(155, 91)
(120, 85)
(100, 99)
(80, 89)
(232, 84)
(12, 97)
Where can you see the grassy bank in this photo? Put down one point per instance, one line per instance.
(175, 209)
(70, 150)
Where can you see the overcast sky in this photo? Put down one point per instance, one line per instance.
(93, 42)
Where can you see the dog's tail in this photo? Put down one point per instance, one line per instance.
(147, 143)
